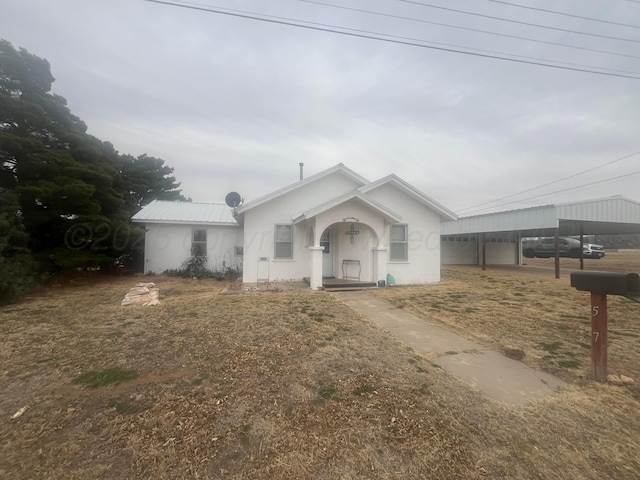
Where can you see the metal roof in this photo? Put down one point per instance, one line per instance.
(160, 211)
(613, 215)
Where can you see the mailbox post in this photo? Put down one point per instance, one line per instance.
(601, 284)
(599, 328)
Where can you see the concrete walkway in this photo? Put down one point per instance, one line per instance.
(492, 373)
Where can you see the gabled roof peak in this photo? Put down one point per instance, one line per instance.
(294, 186)
(409, 189)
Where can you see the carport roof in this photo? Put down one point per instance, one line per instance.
(605, 216)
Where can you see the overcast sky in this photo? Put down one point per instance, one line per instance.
(234, 104)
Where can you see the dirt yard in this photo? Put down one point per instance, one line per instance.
(295, 385)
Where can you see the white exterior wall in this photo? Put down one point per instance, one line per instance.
(500, 249)
(461, 250)
(260, 222)
(501, 253)
(361, 250)
(166, 246)
(423, 265)
(370, 226)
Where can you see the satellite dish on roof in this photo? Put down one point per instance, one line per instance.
(233, 199)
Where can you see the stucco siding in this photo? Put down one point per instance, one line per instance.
(167, 246)
(361, 250)
(259, 243)
(423, 265)
(260, 222)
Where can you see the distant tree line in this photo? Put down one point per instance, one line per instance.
(66, 197)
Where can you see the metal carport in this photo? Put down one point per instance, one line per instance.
(606, 216)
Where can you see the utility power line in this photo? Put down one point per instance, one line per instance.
(331, 29)
(555, 12)
(469, 29)
(549, 183)
(476, 212)
(537, 25)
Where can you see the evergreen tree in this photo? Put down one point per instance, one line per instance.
(146, 179)
(61, 176)
(17, 269)
(66, 195)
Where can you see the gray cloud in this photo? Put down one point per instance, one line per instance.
(234, 104)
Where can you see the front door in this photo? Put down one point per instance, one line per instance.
(327, 253)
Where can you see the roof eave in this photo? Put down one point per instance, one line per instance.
(389, 215)
(441, 210)
(184, 222)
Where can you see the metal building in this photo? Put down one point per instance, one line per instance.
(495, 238)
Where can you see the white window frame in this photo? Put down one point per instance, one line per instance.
(238, 251)
(276, 242)
(399, 242)
(196, 244)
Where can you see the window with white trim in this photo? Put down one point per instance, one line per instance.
(199, 243)
(238, 251)
(399, 244)
(283, 242)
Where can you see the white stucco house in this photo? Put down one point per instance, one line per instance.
(332, 224)
(175, 231)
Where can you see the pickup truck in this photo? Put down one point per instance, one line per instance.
(569, 247)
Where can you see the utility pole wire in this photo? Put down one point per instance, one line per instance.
(469, 29)
(558, 191)
(519, 22)
(249, 16)
(551, 183)
(555, 12)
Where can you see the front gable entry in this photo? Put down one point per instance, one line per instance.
(337, 224)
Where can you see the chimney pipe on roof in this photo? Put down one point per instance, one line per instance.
(301, 170)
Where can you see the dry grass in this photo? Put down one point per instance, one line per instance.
(294, 384)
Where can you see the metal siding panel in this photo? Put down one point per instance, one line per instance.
(618, 210)
(527, 219)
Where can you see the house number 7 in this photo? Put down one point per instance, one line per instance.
(596, 310)
(597, 334)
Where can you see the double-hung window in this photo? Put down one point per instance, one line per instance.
(399, 244)
(283, 242)
(199, 243)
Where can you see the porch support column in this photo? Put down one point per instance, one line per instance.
(315, 275)
(379, 263)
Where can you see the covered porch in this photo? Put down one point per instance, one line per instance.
(345, 239)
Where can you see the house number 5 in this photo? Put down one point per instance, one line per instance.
(596, 310)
